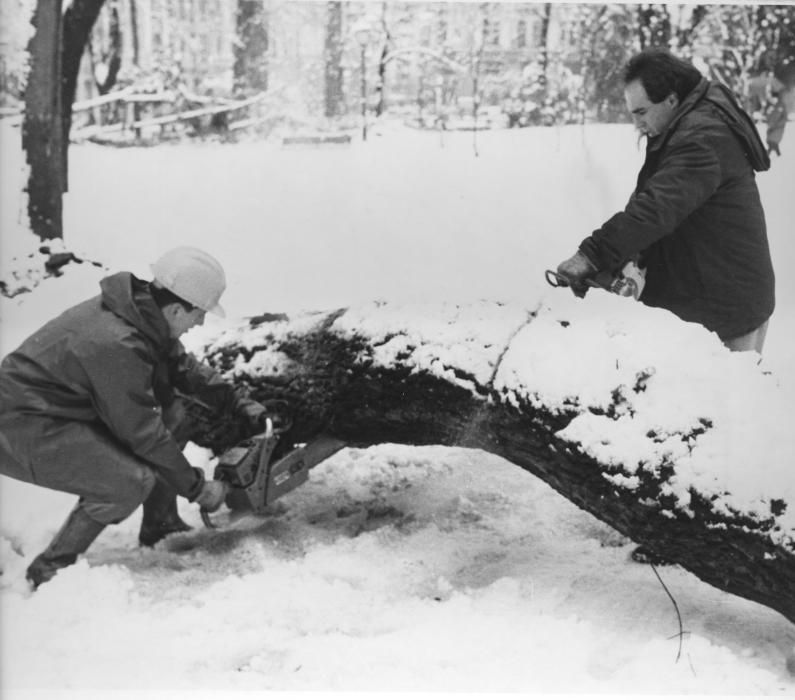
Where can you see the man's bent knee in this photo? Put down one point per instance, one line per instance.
(124, 503)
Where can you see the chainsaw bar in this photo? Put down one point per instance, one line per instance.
(273, 480)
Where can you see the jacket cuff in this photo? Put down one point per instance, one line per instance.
(588, 250)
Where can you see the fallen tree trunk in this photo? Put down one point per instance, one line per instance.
(483, 377)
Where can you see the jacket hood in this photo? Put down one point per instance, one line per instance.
(128, 297)
(723, 101)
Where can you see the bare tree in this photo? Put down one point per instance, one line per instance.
(55, 50)
(251, 48)
(110, 56)
(684, 33)
(382, 62)
(546, 16)
(136, 41)
(654, 25)
(334, 95)
(78, 21)
(42, 129)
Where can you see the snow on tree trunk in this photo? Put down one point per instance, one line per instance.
(646, 422)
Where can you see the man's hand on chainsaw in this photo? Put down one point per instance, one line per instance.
(212, 495)
(256, 415)
(575, 273)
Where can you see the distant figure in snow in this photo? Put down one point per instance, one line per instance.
(778, 116)
(774, 99)
(760, 91)
(693, 233)
(101, 401)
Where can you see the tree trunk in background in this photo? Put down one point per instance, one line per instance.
(113, 56)
(136, 42)
(42, 129)
(781, 25)
(251, 48)
(380, 103)
(654, 26)
(334, 97)
(684, 35)
(643, 24)
(544, 38)
(78, 20)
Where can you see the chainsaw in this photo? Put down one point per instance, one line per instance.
(628, 283)
(256, 477)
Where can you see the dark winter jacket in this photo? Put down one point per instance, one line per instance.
(696, 219)
(110, 361)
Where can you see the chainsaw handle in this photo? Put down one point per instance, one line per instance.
(278, 414)
(555, 279)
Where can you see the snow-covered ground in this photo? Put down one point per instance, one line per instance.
(395, 568)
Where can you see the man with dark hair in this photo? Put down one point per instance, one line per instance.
(99, 403)
(694, 225)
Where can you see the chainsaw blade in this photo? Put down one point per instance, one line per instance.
(292, 470)
(256, 482)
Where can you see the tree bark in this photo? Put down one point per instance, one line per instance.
(654, 25)
(546, 16)
(136, 42)
(251, 49)
(42, 134)
(78, 21)
(335, 385)
(380, 103)
(113, 55)
(684, 35)
(334, 95)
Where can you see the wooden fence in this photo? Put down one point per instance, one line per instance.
(127, 115)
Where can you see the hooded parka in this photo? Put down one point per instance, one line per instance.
(695, 219)
(82, 401)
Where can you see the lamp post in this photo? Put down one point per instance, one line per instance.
(361, 33)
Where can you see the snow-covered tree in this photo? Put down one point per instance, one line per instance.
(15, 31)
(743, 41)
(602, 39)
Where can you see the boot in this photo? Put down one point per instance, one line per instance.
(161, 517)
(73, 539)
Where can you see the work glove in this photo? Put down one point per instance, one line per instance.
(212, 495)
(575, 271)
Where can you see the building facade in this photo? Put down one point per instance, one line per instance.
(454, 47)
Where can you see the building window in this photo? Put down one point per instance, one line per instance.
(537, 29)
(521, 34)
(441, 31)
(491, 32)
